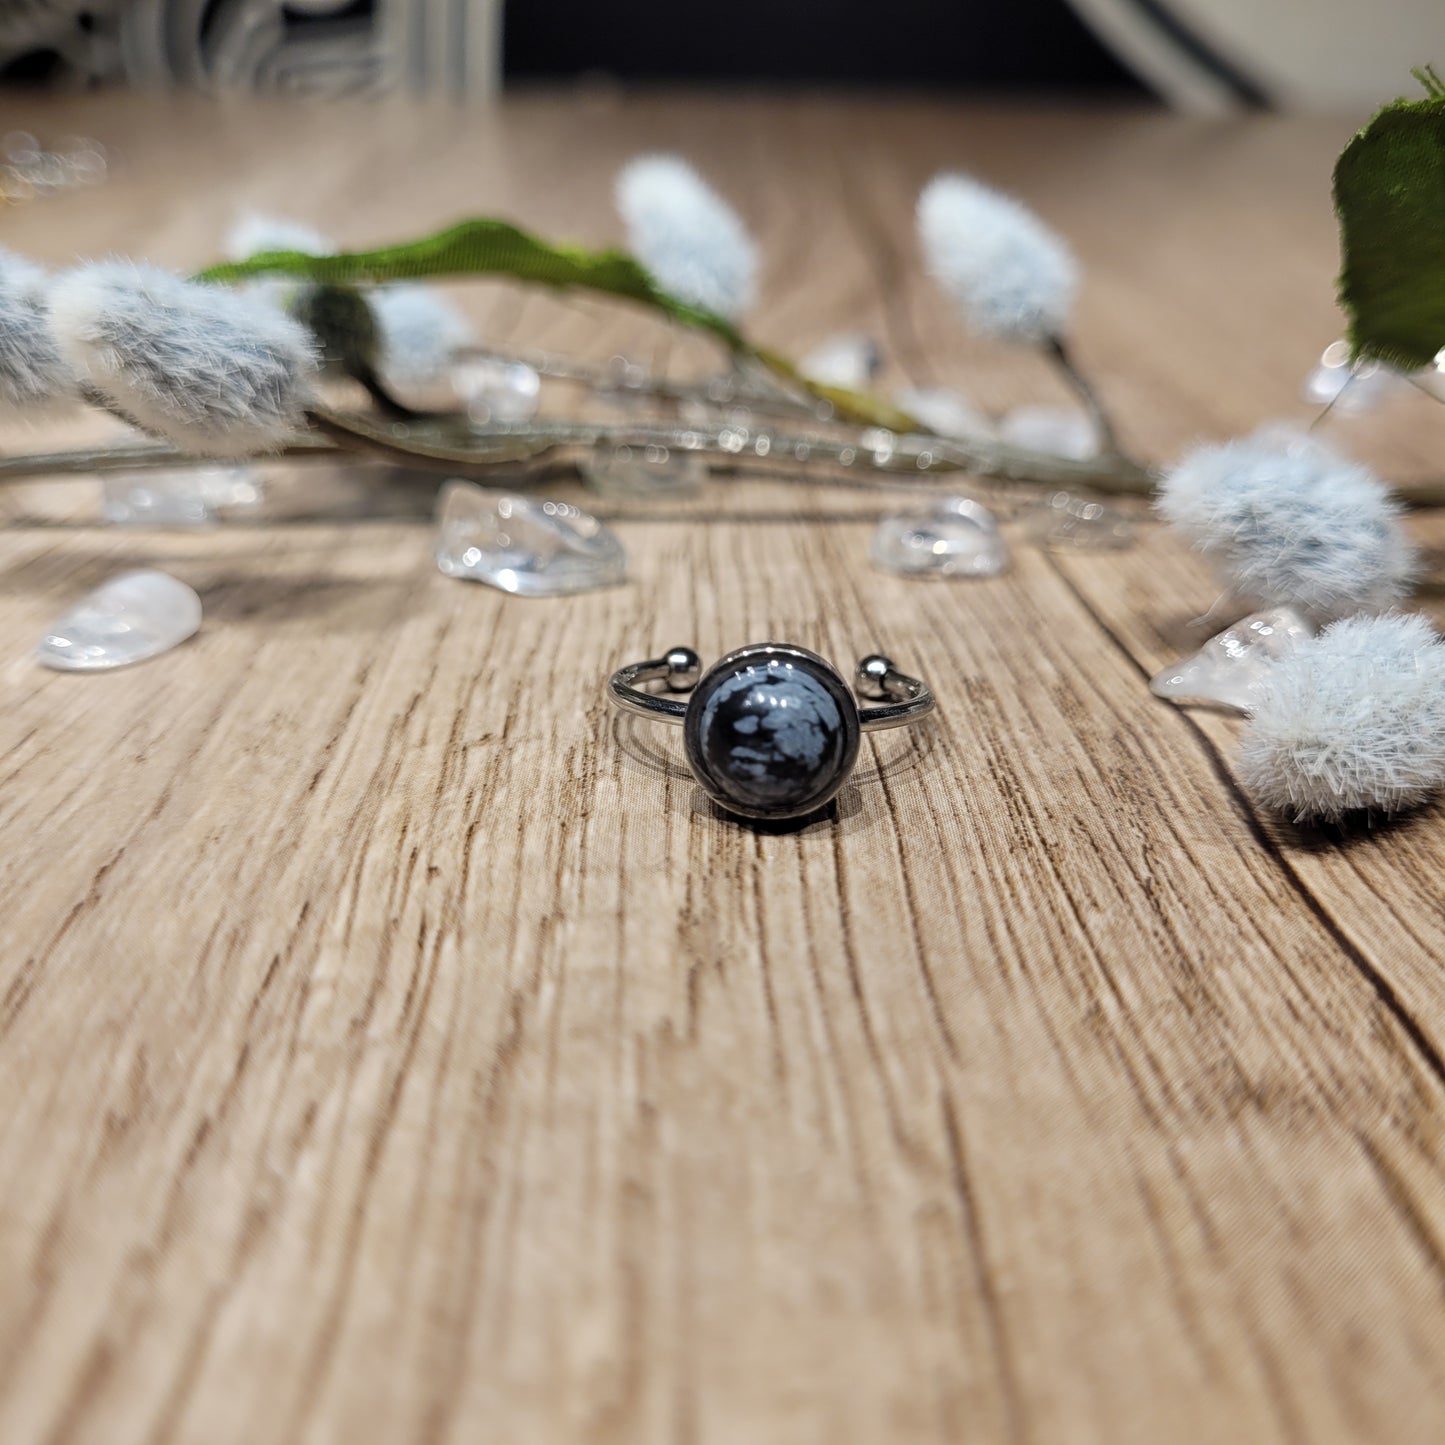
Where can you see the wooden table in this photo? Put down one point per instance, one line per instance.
(394, 1052)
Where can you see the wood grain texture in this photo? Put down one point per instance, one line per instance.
(394, 1048)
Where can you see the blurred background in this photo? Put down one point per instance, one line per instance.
(1203, 56)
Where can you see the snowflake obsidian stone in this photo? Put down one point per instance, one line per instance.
(772, 731)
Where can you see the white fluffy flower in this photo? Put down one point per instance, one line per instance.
(34, 378)
(851, 360)
(252, 235)
(419, 332)
(687, 235)
(1288, 521)
(212, 371)
(943, 412)
(1355, 719)
(1012, 277)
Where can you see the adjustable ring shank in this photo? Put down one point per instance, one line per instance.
(907, 698)
(625, 693)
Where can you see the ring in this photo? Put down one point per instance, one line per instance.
(771, 730)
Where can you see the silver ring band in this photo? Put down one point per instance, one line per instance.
(771, 729)
(910, 697)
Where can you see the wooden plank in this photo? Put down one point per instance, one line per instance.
(1376, 887)
(395, 1047)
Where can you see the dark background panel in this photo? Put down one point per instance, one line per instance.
(1003, 44)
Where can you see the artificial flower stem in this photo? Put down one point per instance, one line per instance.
(96, 461)
(1062, 357)
(731, 388)
(524, 444)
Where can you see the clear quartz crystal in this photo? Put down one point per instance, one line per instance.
(1059, 431)
(524, 545)
(951, 537)
(851, 361)
(179, 496)
(1228, 668)
(128, 619)
(643, 471)
(943, 412)
(493, 390)
(1067, 521)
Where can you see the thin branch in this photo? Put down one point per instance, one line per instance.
(445, 445)
(388, 405)
(427, 444)
(138, 456)
(1059, 353)
(529, 451)
(726, 389)
(1324, 414)
(921, 456)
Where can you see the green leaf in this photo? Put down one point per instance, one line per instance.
(487, 247)
(1390, 198)
(1434, 86)
(484, 248)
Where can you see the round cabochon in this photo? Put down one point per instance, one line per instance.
(772, 731)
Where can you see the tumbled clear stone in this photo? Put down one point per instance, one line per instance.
(524, 545)
(494, 390)
(1228, 668)
(850, 360)
(1067, 520)
(952, 537)
(944, 413)
(643, 471)
(1058, 431)
(128, 619)
(178, 496)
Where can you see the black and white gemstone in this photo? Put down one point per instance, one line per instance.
(772, 731)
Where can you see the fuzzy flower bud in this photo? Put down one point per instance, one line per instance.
(1354, 719)
(34, 378)
(687, 235)
(419, 332)
(254, 235)
(213, 371)
(1288, 521)
(1011, 276)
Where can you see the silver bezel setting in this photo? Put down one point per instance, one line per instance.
(818, 668)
